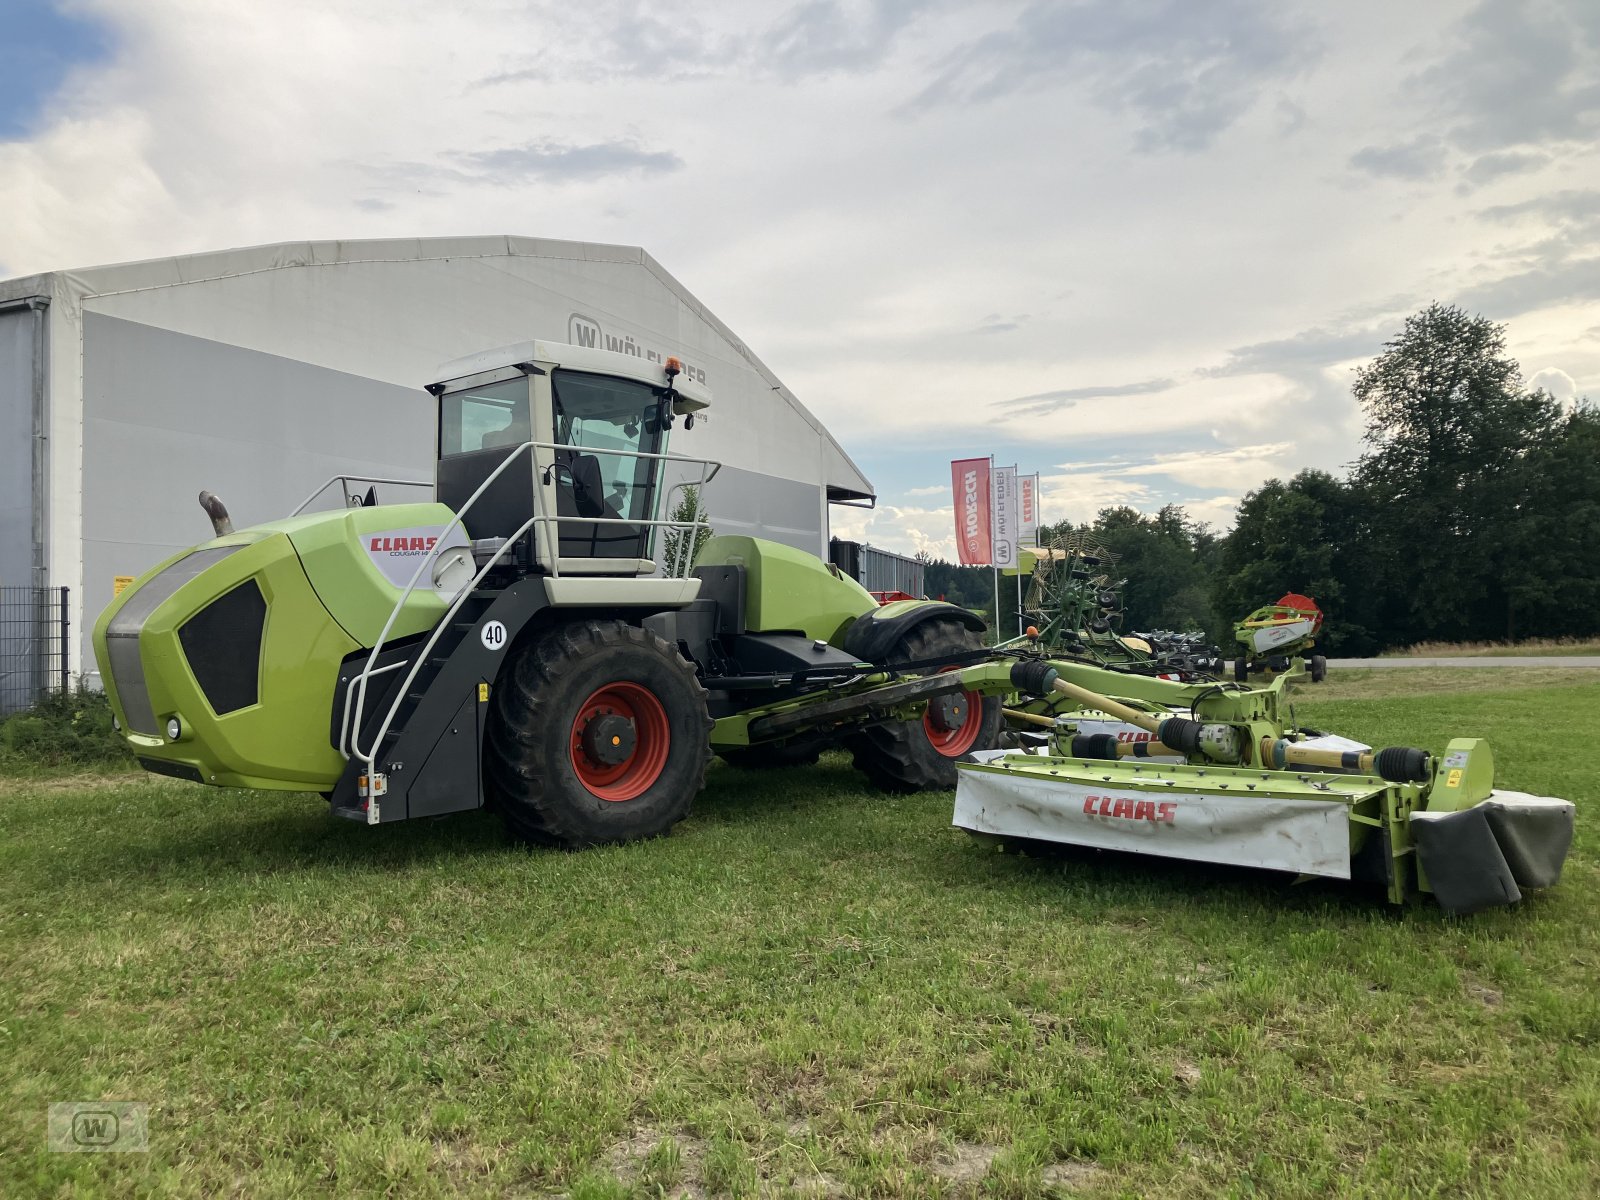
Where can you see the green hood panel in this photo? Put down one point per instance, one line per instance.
(328, 582)
(788, 590)
(280, 740)
(359, 560)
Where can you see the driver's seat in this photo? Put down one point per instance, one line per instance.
(581, 492)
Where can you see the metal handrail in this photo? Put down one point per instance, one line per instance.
(359, 684)
(349, 479)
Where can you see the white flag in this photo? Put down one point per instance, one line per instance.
(1003, 482)
(1029, 490)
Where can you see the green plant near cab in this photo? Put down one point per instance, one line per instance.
(68, 728)
(680, 553)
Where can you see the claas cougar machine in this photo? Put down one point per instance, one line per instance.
(513, 643)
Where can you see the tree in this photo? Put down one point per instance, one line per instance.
(1447, 423)
(681, 546)
(1307, 535)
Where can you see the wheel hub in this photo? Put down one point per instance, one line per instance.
(619, 741)
(609, 739)
(948, 713)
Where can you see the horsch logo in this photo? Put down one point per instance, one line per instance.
(969, 508)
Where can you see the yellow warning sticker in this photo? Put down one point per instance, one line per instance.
(119, 582)
(483, 693)
(1454, 778)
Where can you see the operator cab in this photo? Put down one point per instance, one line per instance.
(584, 427)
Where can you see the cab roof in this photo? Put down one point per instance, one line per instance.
(692, 396)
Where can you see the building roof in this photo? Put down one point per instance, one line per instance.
(844, 479)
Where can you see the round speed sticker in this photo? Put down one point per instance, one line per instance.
(493, 634)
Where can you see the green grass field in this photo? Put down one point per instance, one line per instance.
(809, 988)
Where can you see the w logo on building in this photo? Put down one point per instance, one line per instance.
(583, 331)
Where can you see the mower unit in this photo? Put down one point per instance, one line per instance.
(1221, 776)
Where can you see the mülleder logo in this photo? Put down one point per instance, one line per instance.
(1163, 813)
(401, 545)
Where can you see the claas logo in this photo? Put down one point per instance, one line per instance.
(1157, 813)
(393, 544)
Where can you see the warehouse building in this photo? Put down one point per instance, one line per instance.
(262, 373)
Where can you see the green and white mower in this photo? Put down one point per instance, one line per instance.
(1218, 773)
(513, 644)
(1273, 635)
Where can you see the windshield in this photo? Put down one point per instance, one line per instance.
(483, 418)
(601, 413)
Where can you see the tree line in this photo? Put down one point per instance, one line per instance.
(1471, 514)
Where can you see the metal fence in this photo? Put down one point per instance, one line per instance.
(33, 645)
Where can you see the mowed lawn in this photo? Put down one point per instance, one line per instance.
(810, 987)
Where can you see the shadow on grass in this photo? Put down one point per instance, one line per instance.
(825, 811)
(231, 833)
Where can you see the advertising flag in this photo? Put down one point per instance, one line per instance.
(1029, 490)
(1007, 519)
(969, 477)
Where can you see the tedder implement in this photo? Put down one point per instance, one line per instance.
(514, 645)
(1074, 607)
(1216, 773)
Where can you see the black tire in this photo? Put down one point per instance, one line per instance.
(898, 756)
(1241, 670)
(799, 751)
(537, 771)
(1319, 668)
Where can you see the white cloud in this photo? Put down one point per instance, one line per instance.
(1555, 381)
(904, 268)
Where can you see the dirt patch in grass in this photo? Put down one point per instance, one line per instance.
(97, 781)
(660, 1164)
(1074, 1176)
(965, 1163)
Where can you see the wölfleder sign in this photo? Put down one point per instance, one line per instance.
(1003, 488)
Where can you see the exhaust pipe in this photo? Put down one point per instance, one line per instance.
(221, 523)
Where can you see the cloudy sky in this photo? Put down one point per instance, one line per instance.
(1136, 245)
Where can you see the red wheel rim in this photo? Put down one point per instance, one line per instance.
(643, 766)
(953, 743)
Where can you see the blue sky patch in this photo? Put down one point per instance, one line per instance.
(39, 44)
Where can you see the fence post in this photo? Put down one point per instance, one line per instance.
(65, 625)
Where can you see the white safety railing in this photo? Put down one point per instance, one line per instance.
(353, 500)
(349, 736)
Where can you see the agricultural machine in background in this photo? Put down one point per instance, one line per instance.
(539, 665)
(1074, 604)
(1272, 636)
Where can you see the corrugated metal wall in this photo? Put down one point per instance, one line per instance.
(878, 570)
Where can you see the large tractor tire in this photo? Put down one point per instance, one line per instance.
(921, 755)
(802, 751)
(598, 733)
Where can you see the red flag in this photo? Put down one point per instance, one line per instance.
(969, 477)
